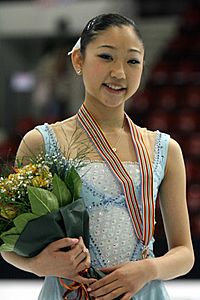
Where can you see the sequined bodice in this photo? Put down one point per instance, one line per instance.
(112, 238)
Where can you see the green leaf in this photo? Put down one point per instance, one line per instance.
(10, 239)
(61, 191)
(42, 201)
(21, 221)
(6, 248)
(13, 230)
(74, 183)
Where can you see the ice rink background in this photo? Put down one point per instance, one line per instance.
(29, 289)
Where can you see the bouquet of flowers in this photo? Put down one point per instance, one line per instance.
(40, 203)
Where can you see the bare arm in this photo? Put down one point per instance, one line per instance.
(180, 257)
(52, 261)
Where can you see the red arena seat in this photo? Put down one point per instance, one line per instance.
(192, 97)
(158, 120)
(186, 121)
(168, 98)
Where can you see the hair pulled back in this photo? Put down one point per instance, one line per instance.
(101, 23)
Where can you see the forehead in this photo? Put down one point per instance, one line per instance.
(119, 37)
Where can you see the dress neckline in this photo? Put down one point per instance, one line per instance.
(155, 152)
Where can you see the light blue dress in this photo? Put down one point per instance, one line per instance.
(112, 237)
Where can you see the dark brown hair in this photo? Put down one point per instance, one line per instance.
(101, 23)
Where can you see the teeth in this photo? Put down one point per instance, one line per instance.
(114, 87)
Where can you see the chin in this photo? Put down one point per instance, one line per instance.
(113, 104)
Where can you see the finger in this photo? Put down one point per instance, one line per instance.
(110, 295)
(81, 244)
(80, 249)
(79, 254)
(84, 252)
(62, 243)
(103, 281)
(105, 289)
(111, 269)
(82, 256)
(85, 264)
(126, 296)
(84, 280)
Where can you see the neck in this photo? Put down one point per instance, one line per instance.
(109, 119)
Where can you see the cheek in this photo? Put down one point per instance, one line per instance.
(140, 71)
(136, 76)
(98, 68)
(135, 80)
(93, 72)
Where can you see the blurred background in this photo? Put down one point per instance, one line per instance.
(37, 83)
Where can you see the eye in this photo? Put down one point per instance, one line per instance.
(134, 61)
(105, 56)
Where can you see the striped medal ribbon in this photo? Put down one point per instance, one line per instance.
(143, 224)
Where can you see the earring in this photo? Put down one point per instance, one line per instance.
(79, 72)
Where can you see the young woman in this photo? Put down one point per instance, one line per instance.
(127, 167)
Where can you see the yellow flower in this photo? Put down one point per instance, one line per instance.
(39, 181)
(30, 168)
(12, 177)
(8, 212)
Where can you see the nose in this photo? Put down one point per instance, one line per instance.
(118, 70)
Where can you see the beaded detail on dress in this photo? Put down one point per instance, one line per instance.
(112, 237)
(100, 198)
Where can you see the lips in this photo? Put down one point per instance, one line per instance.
(114, 87)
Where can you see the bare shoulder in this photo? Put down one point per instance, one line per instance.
(31, 145)
(68, 126)
(175, 156)
(149, 138)
(174, 146)
(148, 135)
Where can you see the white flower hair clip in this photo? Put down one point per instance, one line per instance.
(76, 46)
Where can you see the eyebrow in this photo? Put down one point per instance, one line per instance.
(114, 48)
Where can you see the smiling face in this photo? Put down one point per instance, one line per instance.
(112, 66)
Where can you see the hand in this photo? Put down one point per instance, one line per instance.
(124, 280)
(53, 261)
